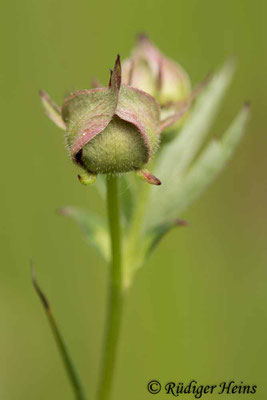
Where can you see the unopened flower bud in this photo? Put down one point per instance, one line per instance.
(112, 129)
(149, 70)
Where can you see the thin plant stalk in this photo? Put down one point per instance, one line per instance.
(68, 363)
(115, 297)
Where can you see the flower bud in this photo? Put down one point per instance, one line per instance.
(149, 70)
(112, 129)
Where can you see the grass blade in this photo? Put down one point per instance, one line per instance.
(71, 372)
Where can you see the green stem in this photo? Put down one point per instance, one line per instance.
(115, 298)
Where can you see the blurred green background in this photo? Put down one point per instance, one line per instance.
(199, 308)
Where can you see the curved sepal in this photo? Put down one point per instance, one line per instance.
(146, 176)
(87, 178)
(86, 113)
(141, 110)
(175, 117)
(115, 77)
(52, 110)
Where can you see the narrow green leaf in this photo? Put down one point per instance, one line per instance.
(93, 228)
(156, 234)
(68, 363)
(52, 110)
(177, 156)
(206, 168)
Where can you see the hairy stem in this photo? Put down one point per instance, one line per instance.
(115, 298)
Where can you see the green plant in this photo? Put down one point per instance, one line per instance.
(146, 116)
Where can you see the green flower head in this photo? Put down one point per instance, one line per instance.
(110, 130)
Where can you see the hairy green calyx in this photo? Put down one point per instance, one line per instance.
(118, 148)
(112, 129)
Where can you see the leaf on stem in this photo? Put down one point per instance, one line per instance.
(156, 234)
(211, 162)
(92, 227)
(177, 156)
(181, 151)
(206, 167)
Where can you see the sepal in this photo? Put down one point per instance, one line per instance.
(86, 178)
(146, 176)
(52, 110)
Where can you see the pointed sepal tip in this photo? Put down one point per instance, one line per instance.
(87, 178)
(146, 176)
